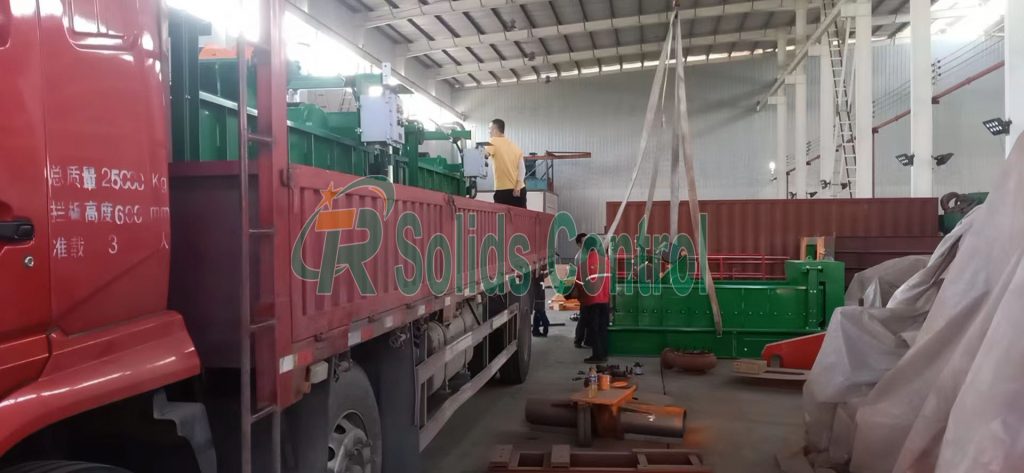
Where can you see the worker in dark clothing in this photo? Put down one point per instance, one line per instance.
(580, 340)
(541, 324)
(593, 289)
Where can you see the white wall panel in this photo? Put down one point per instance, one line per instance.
(957, 123)
(604, 115)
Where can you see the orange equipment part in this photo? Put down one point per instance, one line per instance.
(796, 353)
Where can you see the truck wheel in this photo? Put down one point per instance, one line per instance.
(515, 370)
(354, 444)
(63, 467)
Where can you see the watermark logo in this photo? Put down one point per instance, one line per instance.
(469, 254)
(337, 258)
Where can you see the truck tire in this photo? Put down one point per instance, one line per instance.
(63, 467)
(515, 370)
(354, 444)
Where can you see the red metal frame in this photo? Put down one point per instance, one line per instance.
(259, 328)
(553, 155)
(727, 266)
(941, 95)
(796, 353)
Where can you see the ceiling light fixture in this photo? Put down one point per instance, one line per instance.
(997, 126)
(942, 159)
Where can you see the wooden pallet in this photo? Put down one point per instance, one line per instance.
(563, 459)
(559, 302)
(759, 369)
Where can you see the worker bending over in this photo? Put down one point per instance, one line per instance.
(509, 167)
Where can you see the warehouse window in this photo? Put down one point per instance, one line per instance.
(102, 23)
(99, 17)
(5, 23)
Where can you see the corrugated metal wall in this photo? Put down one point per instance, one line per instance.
(774, 227)
(733, 143)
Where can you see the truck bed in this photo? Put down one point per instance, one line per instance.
(205, 274)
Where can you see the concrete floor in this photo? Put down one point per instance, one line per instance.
(737, 423)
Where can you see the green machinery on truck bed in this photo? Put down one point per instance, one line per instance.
(204, 95)
(754, 312)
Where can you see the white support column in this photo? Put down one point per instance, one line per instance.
(1014, 51)
(781, 122)
(826, 118)
(800, 106)
(399, 63)
(921, 98)
(863, 97)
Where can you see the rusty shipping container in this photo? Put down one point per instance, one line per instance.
(862, 252)
(774, 227)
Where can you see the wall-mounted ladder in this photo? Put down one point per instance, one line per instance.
(839, 33)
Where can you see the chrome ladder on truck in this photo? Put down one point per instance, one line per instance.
(258, 401)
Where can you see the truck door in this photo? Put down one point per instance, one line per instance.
(24, 236)
(107, 140)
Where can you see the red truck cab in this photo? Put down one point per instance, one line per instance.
(166, 318)
(84, 218)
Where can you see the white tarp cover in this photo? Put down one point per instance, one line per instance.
(873, 287)
(933, 381)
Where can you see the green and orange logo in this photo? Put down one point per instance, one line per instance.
(491, 259)
(338, 258)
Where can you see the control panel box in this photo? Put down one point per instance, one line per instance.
(475, 164)
(380, 118)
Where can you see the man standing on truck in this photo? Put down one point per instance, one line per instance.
(509, 167)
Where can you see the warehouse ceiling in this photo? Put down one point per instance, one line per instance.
(481, 42)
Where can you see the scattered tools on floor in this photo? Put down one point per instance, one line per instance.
(562, 458)
(759, 369)
(615, 372)
(612, 414)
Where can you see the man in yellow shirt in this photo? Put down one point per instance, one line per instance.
(509, 167)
